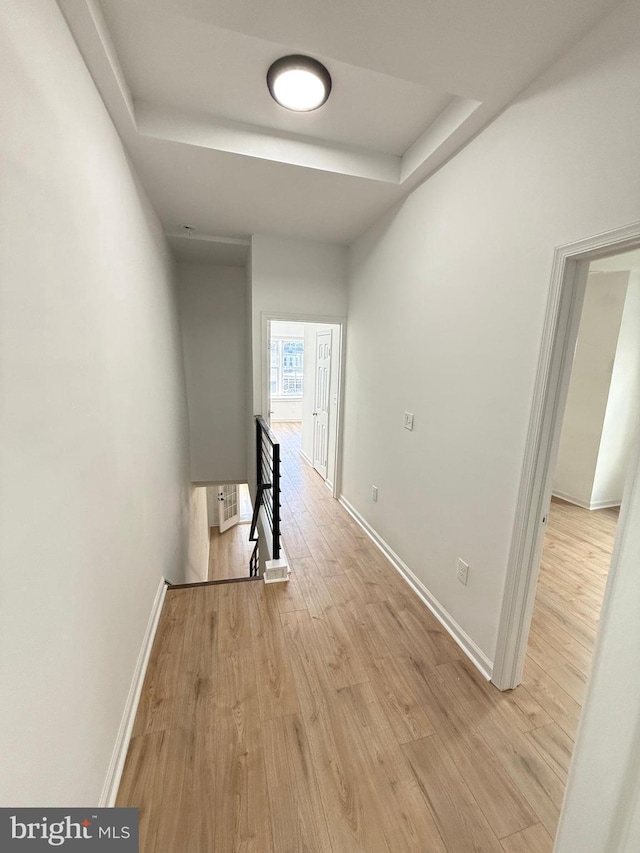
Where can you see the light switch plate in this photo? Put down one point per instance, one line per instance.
(408, 420)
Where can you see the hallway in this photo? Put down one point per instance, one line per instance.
(333, 713)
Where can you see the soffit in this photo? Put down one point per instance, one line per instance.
(414, 81)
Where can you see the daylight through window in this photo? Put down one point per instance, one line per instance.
(287, 361)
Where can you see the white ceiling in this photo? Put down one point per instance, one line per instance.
(198, 68)
(413, 82)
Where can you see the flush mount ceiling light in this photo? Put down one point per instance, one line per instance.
(299, 83)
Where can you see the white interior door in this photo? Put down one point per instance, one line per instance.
(228, 507)
(321, 402)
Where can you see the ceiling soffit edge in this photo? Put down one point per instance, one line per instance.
(460, 120)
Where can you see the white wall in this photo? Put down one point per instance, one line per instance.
(579, 451)
(286, 410)
(292, 277)
(447, 298)
(212, 312)
(93, 418)
(197, 568)
(623, 404)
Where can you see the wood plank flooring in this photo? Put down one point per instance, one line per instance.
(573, 573)
(334, 714)
(229, 552)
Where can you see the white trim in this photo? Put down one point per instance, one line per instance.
(116, 765)
(276, 571)
(473, 652)
(306, 458)
(570, 499)
(606, 744)
(266, 318)
(327, 482)
(266, 544)
(591, 506)
(342, 373)
(202, 483)
(323, 469)
(284, 557)
(566, 294)
(605, 504)
(209, 238)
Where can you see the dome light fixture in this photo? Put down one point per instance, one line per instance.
(299, 83)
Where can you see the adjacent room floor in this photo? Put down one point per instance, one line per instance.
(333, 713)
(575, 562)
(229, 552)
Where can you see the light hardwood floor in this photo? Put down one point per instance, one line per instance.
(229, 552)
(333, 713)
(575, 563)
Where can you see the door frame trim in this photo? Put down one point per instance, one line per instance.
(564, 306)
(322, 319)
(315, 426)
(222, 500)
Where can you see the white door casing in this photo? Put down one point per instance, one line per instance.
(228, 506)
(262, 397)
(321, 402)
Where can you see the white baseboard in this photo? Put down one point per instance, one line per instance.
(116, 766)
(473, 652)
(570, 499)
(591, 506)
(605, 504)
(309, 461)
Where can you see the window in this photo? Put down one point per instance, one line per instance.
(287, 362)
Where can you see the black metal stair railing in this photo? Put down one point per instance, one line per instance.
(267, 491)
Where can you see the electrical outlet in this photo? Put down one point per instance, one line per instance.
(374, 493)
(463, 571)
(408, 420)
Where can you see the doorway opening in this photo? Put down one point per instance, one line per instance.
(613, 252)
(594, 450)
(579, 471)
(229, 512)
(304, 389)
